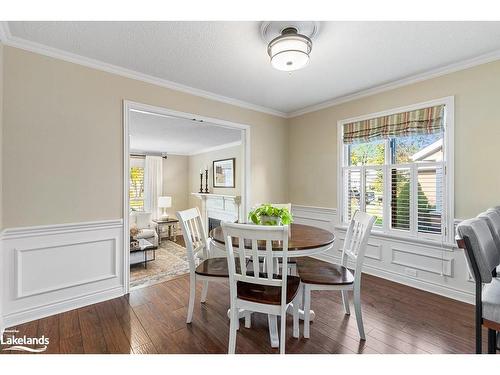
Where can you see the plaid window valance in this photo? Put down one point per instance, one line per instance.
(421, 121)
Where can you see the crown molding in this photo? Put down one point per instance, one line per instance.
(8, 39)
(451, 68)
(4, 31)
(216, 148)
(27, 45)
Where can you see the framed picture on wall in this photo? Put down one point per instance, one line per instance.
(224, 173)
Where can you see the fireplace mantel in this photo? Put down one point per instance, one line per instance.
(219, 206)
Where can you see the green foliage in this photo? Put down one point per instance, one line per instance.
(403, 205)
(270, 211)
(371, 153)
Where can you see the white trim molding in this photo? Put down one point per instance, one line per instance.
(428, 266)
(246, 176)
(50, 269)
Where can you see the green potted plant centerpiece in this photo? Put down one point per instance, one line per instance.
(267, 214)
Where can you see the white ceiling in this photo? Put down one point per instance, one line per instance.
(229, 59)
(157, 133)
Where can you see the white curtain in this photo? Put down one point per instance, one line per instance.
(153, 179)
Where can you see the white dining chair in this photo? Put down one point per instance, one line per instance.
(198, 246)
(252, 290)
(319, 275)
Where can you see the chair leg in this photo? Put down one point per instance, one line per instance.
(204, 292)
(492, 341)
(283, 329)
(296, 305)
(307, 310)
(357, 309)
(479, 332)
(232, 330)
(345, 301)
(248, 319)
(192, 295)
(272, 321)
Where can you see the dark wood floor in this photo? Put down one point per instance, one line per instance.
(398, 319)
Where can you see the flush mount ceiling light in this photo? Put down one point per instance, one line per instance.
(290, 49)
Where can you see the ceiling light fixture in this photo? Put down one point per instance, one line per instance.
(289, 51)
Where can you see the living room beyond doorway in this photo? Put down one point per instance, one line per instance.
(175, 163)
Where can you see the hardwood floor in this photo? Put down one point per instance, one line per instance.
(398, 319)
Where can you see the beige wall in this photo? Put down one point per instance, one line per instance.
(313, 138)
(197, 162)
(176, 182)
(62, 139)
(62, 144)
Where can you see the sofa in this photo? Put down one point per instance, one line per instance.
(146, 226)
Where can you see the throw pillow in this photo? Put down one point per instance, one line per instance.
(143, 219)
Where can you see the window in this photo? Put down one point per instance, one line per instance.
(396, 166)
(136, 185)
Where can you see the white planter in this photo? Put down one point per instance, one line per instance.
(266, 220)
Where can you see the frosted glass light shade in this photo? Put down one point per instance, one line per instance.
(289, 51)
(164, 202)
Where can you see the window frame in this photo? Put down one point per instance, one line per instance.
(447, 235)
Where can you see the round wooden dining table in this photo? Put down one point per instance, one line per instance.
(304, 240)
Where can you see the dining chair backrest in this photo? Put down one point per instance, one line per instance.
(356, 239)
(194, 234)
(492, 218)
(252, 242)
(479, 240)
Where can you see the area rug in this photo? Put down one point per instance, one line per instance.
(171, 261)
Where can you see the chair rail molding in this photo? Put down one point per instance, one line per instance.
(433, 267)
(50, 269)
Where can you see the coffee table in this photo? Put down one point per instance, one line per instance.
(144, 246)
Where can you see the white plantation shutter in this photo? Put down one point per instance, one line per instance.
(401, 195)
(430, 199)
(353, 191)
(374, 189)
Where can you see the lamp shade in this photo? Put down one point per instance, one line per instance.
(164, 202)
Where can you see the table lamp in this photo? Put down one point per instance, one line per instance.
(164, 203)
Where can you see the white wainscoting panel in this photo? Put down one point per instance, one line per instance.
(436, 269)
(55, 268)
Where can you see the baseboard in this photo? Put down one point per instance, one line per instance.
(39, 312)
(427, 286)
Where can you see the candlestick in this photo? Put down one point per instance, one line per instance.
(206, 180)
(201, 181)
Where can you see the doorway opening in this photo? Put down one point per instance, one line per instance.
(174, 161)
